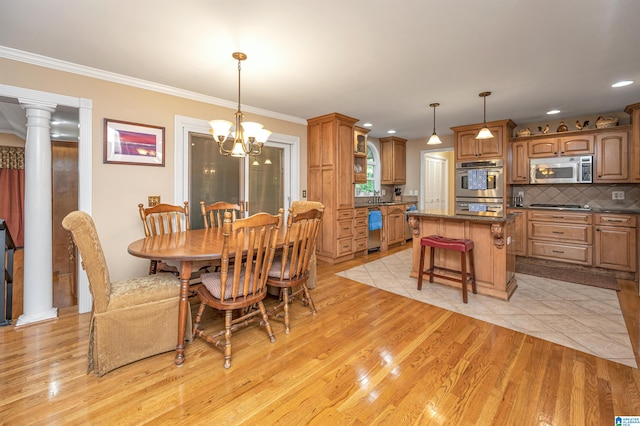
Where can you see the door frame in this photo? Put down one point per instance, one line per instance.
(184, 125)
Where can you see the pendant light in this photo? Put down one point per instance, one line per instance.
(434, 139)
(484, 133)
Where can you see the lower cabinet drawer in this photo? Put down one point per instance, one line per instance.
(560, 252)
(344, 229)
(360, 232)
(345, 246)
(360, 244)
(562, 233)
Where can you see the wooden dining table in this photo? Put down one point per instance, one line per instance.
(185, 247)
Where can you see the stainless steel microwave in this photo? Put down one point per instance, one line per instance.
(578, 169)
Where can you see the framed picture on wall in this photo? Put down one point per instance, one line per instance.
(133, 143)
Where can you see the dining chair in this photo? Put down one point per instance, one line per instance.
(300, 206)
(131, 319)
(290, 270)
(164, 219)
(241, 285)
(213, 214)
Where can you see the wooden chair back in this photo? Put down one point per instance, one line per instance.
(299, 244)
(258, 234)
(164, 218)
(213, 214)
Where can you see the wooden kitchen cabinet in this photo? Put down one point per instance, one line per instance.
(360, 154)
(393, 151)
(615, 241)
(467, 147)
(520, 232)
(634, 111)
(519, 163)
(330, 177)
(393, 225)
(554, 146)
(360, 230)
(612, 157)
(560, 236)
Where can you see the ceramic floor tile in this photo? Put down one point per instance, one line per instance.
(584, 318)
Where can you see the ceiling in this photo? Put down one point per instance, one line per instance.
(380, 61)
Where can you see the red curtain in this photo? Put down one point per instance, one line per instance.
(12, 191)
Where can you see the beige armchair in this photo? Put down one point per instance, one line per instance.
(130, 319)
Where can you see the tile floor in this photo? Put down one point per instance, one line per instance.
(581, 317)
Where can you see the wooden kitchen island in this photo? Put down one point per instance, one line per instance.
(493, 248)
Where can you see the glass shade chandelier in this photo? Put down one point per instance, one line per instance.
(484, 133)
(248, 138)
(434, 139)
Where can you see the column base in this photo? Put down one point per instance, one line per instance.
(33, 318)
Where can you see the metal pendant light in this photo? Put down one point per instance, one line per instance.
(484, 133)
(434, 139)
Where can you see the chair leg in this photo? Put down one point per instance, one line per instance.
(472, 270)
(421, 268)
(197, 323)
(432, 253)
(153, 267)
(286, 310)
(463, 272)
(228, 320)
(309, 299)
(265, 320)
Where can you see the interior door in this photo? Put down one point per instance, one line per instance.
(434, 182)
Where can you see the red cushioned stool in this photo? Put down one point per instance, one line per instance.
(463, 246)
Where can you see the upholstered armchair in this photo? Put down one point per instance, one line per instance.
(130, 319)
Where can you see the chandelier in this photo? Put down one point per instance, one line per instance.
(248, 138)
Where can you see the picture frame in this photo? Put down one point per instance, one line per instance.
(133, 143)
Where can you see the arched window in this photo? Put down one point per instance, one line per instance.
(373, 173)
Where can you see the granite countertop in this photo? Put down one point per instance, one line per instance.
(450, 214)
(619, 210)
(385, 203)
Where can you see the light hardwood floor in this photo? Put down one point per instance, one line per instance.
(368, 357)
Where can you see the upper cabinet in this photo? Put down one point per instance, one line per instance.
(612, 156)
(634, 112)
(394, 160)
(554, 146)
(519, 163)
(360, 154)
(467, 147)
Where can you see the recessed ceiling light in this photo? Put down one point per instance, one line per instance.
(553, 111)
(391, 132)
(367, 125)
(622, 83)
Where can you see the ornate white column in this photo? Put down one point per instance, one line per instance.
(38, 261)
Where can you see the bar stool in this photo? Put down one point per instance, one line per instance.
(463, 246)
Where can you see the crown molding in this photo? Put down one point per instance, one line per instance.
(60, 65)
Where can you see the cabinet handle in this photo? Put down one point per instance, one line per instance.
(558, 217)
(557, 232)
(557, 251)
(614, 220)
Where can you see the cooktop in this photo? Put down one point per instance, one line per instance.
(560, 206)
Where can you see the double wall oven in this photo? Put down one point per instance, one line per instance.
(480, 188)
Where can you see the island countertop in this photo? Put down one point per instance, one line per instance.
(493, 247)
(450, 214)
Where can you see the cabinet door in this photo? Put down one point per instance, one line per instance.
(491, 148)
(519, 172)
(543, 148)
(612, 157)
(520, 232)
(399, 163)
(466, 145)
(344, 171)
(615, 248)
(576, 145)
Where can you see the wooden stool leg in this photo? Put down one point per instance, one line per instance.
(432, 251)
(463, 267)
(421, 268)
(474, 287)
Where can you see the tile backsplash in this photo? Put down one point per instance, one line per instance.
(597, 196)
